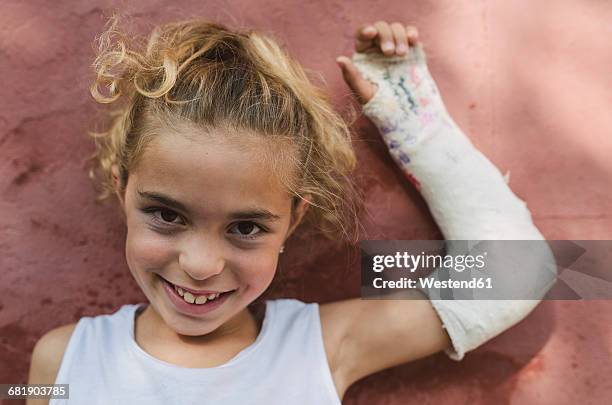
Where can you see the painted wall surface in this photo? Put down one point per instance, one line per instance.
(530, 82)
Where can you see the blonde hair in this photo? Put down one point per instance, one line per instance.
(202, 74)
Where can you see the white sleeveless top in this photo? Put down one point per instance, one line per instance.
(285, 365)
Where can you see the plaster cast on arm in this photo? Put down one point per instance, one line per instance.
(466, 194)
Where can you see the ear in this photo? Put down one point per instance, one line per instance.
(117, 184)
(298, 213)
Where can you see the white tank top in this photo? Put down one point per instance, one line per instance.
(285, 365)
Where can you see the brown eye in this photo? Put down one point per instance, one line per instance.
(246, 227)
(167, 215)
(163, 218)
(248, 230)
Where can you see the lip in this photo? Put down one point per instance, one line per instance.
(196, 292)
(186, 308)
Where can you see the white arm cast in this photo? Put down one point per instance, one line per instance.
(466, 194)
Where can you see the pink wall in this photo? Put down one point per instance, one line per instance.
(530, 83)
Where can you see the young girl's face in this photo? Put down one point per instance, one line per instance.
(223, 232)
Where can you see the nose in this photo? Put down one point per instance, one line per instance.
(201, 258)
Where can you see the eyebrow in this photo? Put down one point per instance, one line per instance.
(255, 213)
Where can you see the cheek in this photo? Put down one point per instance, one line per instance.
(258, 270)
(143, 250)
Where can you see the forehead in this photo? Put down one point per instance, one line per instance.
(212, 172)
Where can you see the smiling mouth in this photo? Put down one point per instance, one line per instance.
(195, 296)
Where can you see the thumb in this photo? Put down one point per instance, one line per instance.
(363, 89)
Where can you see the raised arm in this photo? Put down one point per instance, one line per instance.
(466, 194)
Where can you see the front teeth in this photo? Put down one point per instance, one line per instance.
(190, 298)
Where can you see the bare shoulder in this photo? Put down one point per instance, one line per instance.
(47, 356)
(362, 337)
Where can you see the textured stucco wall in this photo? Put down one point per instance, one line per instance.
(529, 81)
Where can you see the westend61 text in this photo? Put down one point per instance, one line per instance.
(480, 282)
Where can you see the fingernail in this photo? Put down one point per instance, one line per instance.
(387, 46)
(401, 48)
(368, 29)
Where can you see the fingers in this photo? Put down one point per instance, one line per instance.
(394, 38)
(362, 88)
(364, 37)
(412, 34)
(385, 37)
(400, 39)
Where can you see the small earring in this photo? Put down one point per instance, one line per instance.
(282, 249)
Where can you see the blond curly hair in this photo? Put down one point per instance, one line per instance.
(203, 74)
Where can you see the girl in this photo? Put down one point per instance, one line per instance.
(220, 149)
